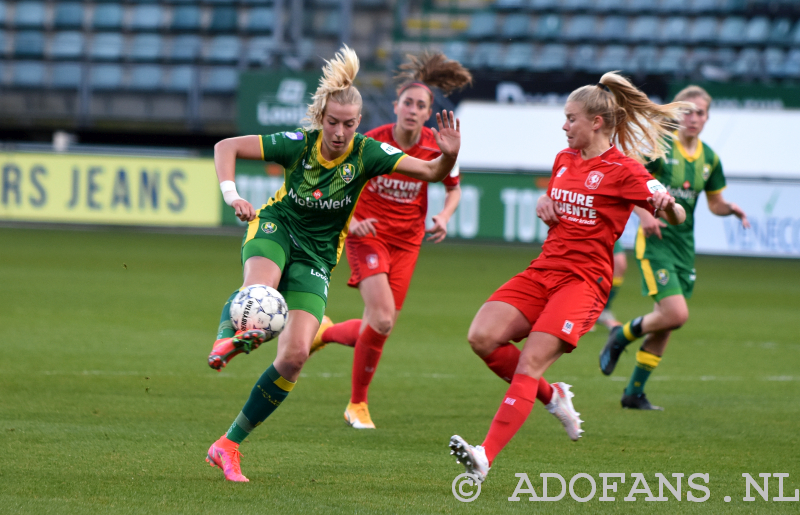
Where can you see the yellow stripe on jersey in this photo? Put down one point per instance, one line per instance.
(336, 162)
(398, 162)
(252, 227)
(278, 196)
(697, 153)
(641, 243)
(346, 229)
(649, 278)
(261, 146)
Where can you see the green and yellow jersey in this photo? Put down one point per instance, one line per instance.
(318, 196)
(685, 177)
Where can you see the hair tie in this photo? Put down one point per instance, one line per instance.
(415, 84)
(603, 86)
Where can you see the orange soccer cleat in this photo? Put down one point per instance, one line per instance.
(226, 348)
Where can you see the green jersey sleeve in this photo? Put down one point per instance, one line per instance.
(380, 158)
(716, 180)
(654, 167)
(283, 147)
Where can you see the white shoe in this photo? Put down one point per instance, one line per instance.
(473, 458)
(561, 407)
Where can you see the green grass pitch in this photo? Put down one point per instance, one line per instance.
(107, 404)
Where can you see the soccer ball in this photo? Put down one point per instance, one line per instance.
(259, 307)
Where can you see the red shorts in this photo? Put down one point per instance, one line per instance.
(554, 302)
(370, 256)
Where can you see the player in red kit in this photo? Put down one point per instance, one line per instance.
(611, 128)
(388, 226)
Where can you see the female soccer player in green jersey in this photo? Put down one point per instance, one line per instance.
(294, 241)
(666, 253)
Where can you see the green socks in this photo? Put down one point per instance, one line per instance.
(268, 393)
(645, 364)
(630, 332)
(225, 329)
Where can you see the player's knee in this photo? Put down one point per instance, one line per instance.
(678, 317)
(481, 340)
(294, 359)
(383, 323)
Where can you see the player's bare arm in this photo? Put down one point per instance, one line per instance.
(438, 232)
(720, 207)
(664, 204)
(225, 154)
(547, 210)
(650, 224)
(448, 138)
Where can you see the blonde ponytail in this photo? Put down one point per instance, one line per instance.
(641, 127)
(336, 84)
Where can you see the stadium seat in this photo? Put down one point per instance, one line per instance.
(548, 27)
(66, 76)
(698, 57)
(486, 55)
(482, 25)
(2, 49)
(614, 57)
(575, 5)
(515, 26)
(703, 31)
(106, 46)
(671, 60)
(509, 5)
(794, 37)
(67, 45)
(639, 6)
(791, 68)
(28, 74)
(186, 18)
(221, 2)
(732, 30)
(775, 63)
(330, 26)
(703, 7)
(221, 80)
(643, 59)
(257, 2)
(146, 47)
(757, 31)
(260, 20)
(29, 15)
(518, 56)
(673, 6)
(223, 19)
(747, 63)
(613, 28)
(541, 6)
(260, 49)
(607, 6)
(674, 30)
(580, 28)
(3, 14)
(105, 77)
(68, 15)
(147, 17)
(146, 77)
(223, 49)
(583, 58)
(456, 50)
(733, 6)
(107, 16)
(643, 29)
(181, 78)
(185, 48)
(781, 31)
(29, 44)
(550, 57)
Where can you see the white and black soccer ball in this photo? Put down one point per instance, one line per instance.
(259, 307)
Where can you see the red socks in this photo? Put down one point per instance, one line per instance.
(367, 354)
(517, 405)
(503, 362)
(345, 332)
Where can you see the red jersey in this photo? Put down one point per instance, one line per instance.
(400, 203)
(596, 197)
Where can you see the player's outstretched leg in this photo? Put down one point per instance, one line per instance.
(319, 343)
(225, 454)
(225, 349)
(344, 333)
(561, 407)
(472, 457)
(620, 337)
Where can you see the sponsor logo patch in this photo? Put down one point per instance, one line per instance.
(654, 186)
(269, 227)
(390, 149)
(561, 171)
(297, 136)
(593, 180)
(687, 185)
(317, 194)
(662, 276)
(372, 261)
(567, 327)
(347, 171)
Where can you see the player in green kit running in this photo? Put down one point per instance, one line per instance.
(295, 240)
(666, 253)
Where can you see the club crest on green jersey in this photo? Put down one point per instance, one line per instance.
(662, 276)
(347, 171)
(706, 171)
(269, 227)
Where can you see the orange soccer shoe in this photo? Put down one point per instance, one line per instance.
(225, 454)
(226, 348)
